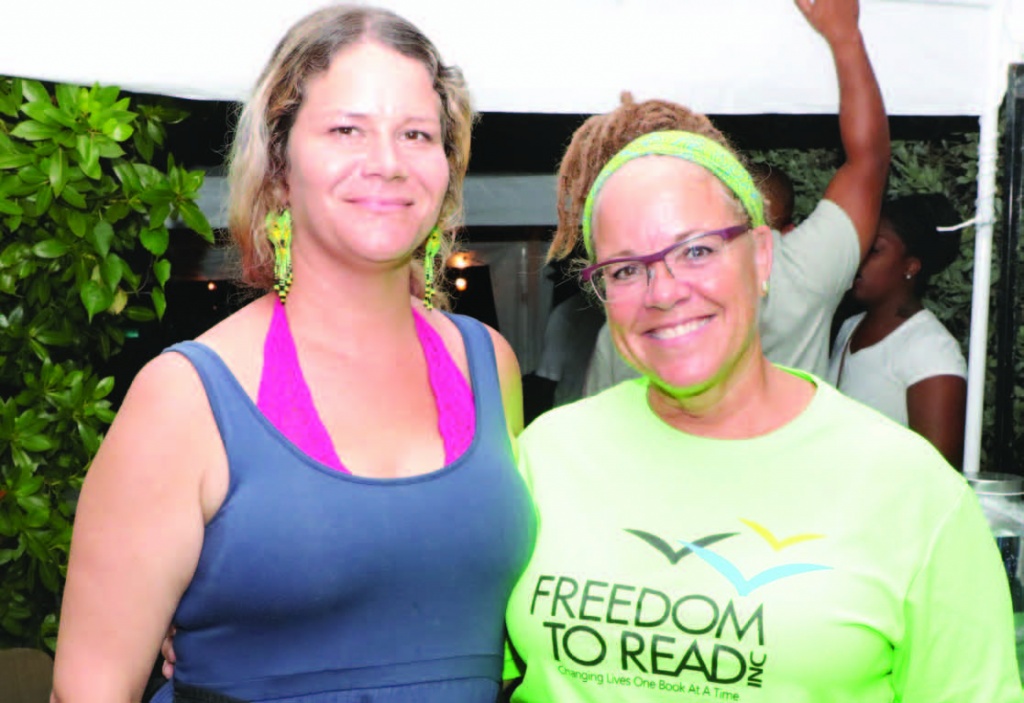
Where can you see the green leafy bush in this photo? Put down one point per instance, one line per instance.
(83, 235)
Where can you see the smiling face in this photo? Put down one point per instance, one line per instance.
(685, 333)
(367, 171)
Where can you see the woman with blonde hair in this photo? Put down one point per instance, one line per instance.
(320, 492)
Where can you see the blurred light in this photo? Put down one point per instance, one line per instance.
(465, 259)
(460, 284)
(211, 286)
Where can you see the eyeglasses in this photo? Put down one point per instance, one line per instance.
(628, 277)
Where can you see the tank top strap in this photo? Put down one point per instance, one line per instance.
(483, 370)
(227, 398)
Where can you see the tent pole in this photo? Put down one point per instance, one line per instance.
(985, 213)
(1003, 458)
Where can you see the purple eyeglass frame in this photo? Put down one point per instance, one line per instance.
(649, 260)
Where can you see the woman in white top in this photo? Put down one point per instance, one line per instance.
(896, 356)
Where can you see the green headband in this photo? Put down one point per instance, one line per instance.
(685, 145)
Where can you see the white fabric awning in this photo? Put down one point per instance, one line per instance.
(556, 56)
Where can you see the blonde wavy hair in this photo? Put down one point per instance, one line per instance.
(258, 158)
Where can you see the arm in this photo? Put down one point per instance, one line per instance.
(859, 184)
(936, 409)
(137, 535)
(511, 384)
(958, 640)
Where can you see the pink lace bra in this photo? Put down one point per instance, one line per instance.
(285, 400)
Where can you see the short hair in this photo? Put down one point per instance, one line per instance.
(258, 160)
(600, 138)
(777, 189)
(915, 219)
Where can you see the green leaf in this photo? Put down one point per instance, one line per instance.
(103, 388)
(159, 302)
(77, 222)
(95, 297)
(33, 131)
(48, 114)
(117, 212)
(37, 443)
(159, 213)
(88, 156)
(12, 223)
(118, 131)
(33, 91)
(144, 147)
(72, 197)
(112, 270)
(125, 173)
(120, 300)
(58, 171)
(14, 160)
(162, 271)
(17, 251)
(31, 175)
(195, 220)
(50, 249)
(155, 240)
(108, 148)
(101, 237)
(44, 198)
(9, 208)
(67, 98)
(139, 313)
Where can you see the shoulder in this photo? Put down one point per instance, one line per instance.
(164, 428)
(239, 339)
(167, 383)
(827, 218)
(821, 253)
(883, 449)
(923, 345)
(598, 418)
(506, 364)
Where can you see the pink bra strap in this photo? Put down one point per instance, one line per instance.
(285, 400)
(284, 396)
(456, 414)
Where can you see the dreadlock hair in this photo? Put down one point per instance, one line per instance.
(600, 138)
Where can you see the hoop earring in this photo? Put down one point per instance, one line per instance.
(279, 231)
(430, 254)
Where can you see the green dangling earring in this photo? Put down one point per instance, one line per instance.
(433, 247)
(279, 230)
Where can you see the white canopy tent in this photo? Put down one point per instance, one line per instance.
(932, 57)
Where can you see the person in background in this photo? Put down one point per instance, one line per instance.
(779, 195)
(320, 492)
(726, 528)
(569, 337)
(815, 262)
(896, 356)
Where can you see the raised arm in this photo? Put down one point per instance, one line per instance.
(137, 535)
(859, 184)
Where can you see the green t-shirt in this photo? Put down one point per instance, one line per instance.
(838, 558)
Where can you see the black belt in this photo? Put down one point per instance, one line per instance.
(183, 693)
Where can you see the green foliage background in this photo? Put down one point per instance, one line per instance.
(83, 213)
(949, 166)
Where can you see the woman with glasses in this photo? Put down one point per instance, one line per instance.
(722, 528)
